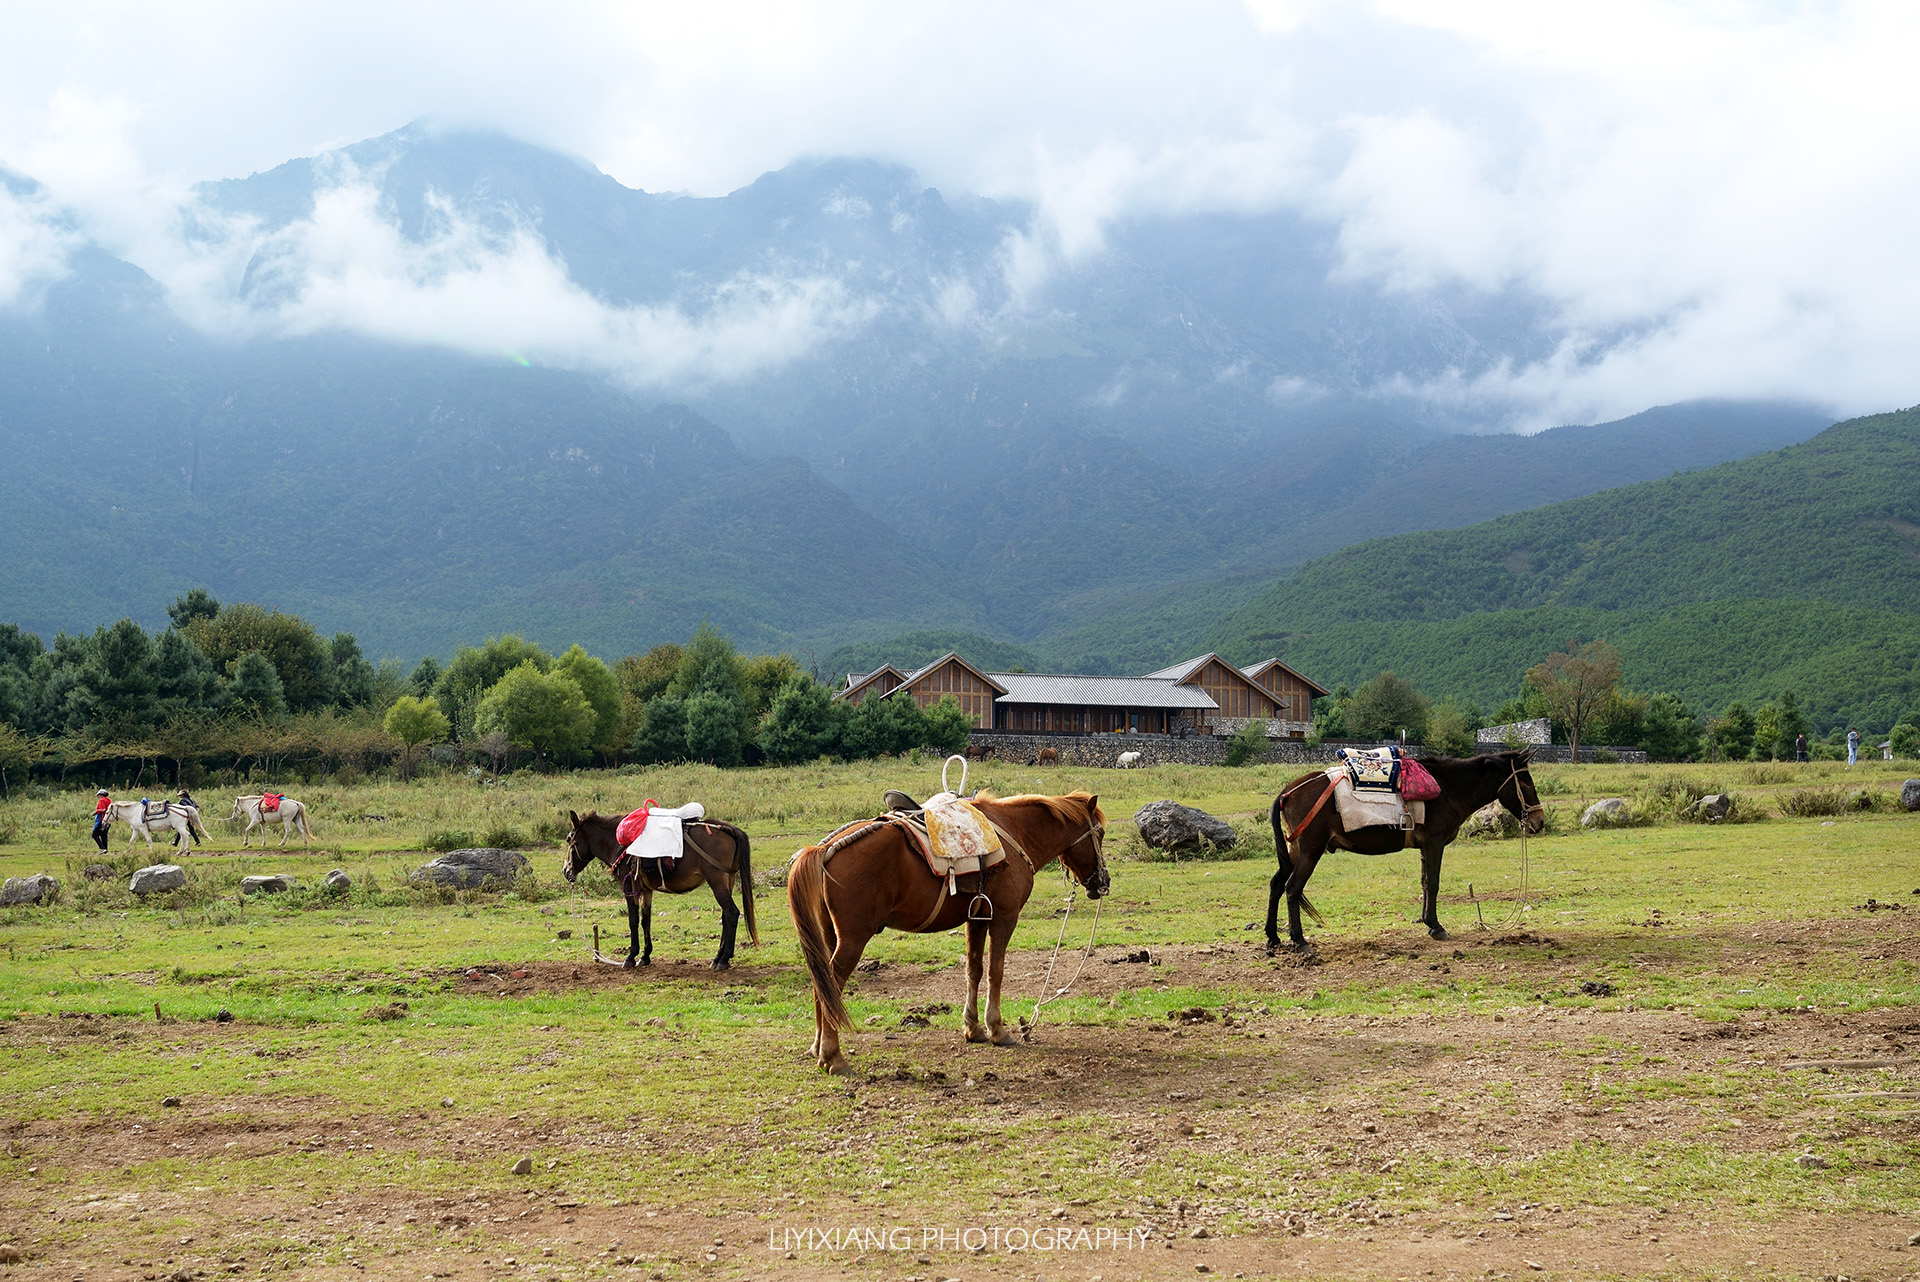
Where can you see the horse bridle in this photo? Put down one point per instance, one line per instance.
(1528, 810)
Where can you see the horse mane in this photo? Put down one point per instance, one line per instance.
(1063, 808)
(1519, 756)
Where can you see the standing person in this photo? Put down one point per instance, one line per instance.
(1799, 750)
(101, 802)
(193, 809)
(1853, 745)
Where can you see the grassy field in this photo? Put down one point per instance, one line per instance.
(1677, 1050)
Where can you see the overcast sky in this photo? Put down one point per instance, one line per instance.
(1733, 183)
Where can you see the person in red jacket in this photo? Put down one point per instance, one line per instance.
(101, 803)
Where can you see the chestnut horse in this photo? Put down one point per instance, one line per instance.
(712, 854)
(1306, 825)
(879, 880)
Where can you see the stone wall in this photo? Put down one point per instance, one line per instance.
(1539, 730)
(1157, 750)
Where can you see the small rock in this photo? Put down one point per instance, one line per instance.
(1711, 808)
(1810, 1162)
(391, 1011)
(1910, 795)
(224, 1017)
(171, 1101)
(11, 1254)
(156, 878)
(1914, 1240)
(446, 1101)
(470, 869)
(97, 872)
(1203, 1268)
(1168, 825)
(523, 1167)
(1608, 812)
(37, 889)
(1200, 1232)
(268, 884)
(337, 882)
(565, 934)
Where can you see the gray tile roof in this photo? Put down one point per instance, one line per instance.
(1180, 671)
(1109, 692)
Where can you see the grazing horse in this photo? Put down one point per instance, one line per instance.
(1127, 761)
(713, 854)
(1306, 824)
(1048, 756)
(878, 880)
(292, 815)
(177, 818)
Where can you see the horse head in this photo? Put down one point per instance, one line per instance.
(1518, 794)
(579, 845)
(1084, 857)
(239, 808)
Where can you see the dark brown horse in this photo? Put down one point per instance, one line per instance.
(1306, 824)
(843, 899)
(713, 854)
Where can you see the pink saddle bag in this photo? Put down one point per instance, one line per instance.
(1416, 781)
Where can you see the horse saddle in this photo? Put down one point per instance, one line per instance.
(1372, 807)
(958, 838)
(660, 837)
(1372, 769)
(154, 812)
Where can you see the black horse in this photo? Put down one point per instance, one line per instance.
(1306, 824)
(712, 854)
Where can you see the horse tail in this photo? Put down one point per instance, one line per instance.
(807, 900)
(744, 845)
(1307, 906)
(300, 817)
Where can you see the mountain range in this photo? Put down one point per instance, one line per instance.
(833, 407)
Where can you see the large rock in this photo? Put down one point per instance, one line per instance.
(1608, 812)
(269, 884)
(1168, 825)
(338, 883)
(37, 889)
(155, 878)
(1491, 820)
(1910, 795)
(1711, 808)
(471, 869)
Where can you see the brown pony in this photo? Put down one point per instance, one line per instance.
(1306, 824)
(713, 854)
(878, 880)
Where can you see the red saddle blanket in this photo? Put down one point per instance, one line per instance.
(270, 801)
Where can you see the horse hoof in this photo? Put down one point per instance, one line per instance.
(978, 1035)
(1438, 932)
(839, 1067)
(628, 964)
(1004, 1038)
(720, 963)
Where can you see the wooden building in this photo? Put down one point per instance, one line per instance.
(1206, 696)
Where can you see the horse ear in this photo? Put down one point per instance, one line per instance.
(574, 817)
(1526, 756)
(1093, 804)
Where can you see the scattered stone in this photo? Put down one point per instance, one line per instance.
(171, 1101)
(1203, 1268)
(156, 878)
(1597, 988)
(446, 1101)
(565, 934)
(1608, 812)
(1140, 955)
(1200, 1232)
(268, 884)
(1168, 825)
(37, 889)
(1711, 808)
(523, 1167)
(1910, 795)
(224, 1017)
(337, 882)
(391, 1011)
(472, 869)
(1810, 1162)
(10, 1254)
(97, 872)
(1914, 1240)
(1491, 820)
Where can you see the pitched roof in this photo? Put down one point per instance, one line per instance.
(1254, 671)
(1181, 671)
(857, 682)
(1110, 692)
(911, 677)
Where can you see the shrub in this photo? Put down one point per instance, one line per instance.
(1761, 776)
(1803, 803)
(443, 839)
(502, 836)
(1248, 743)
(551, 830)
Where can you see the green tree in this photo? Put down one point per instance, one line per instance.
(713, 728)
(18, 751)
(1905, 739)
(662, 736)
(761, 678)
(197, 604)
(1731, 735)
(883, 728)
(256, 686)
(476, 670)
(184, 679)
(1622, 719)
(602, 689)
(356, 682)
(709, 663)
(1450, 728)
(1330, 717)
(302, 660)
(1385, 706)
(1576, 683)
(20, 652)
(544, 712)
(799, 724)
(946, 725)
(1248, 742)
(116, 688)
(424, 677)
(1789, 723)
(1672, 732)
(647, 676)
(414, 721)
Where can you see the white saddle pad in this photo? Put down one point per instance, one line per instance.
(1369, 808)
(661, 837)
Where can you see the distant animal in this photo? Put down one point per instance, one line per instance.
(714, 854)
(1048, 755)
(291, 814)
(1128, 760)
(878, 880)
(1306, 824)
(979, 751)
(169, 817)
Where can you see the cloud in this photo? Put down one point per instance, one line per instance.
(1707, 199)
(35, 242)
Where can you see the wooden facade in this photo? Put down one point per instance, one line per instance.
(1053, 718)
(970, 687)
(1292, 694)
(879, 683)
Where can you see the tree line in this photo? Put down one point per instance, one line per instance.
(244, 688)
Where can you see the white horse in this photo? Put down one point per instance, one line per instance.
(177, 818)
(1128, 760)
(292, 815)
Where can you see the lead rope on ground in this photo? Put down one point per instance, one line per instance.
(1047, 992)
